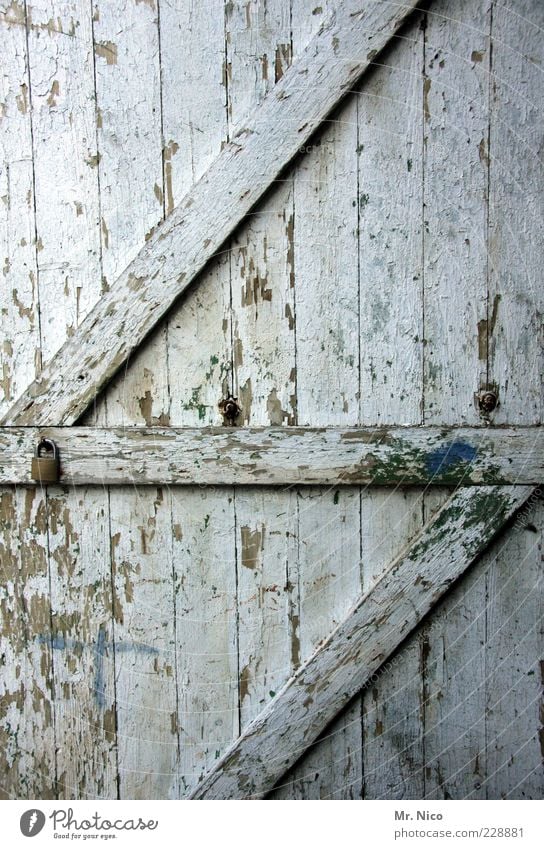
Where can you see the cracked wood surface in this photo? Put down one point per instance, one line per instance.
(357, 648)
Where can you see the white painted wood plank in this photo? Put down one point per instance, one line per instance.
(194, 80)
(194, 108)
(83, 651)
(393, 758)
(329, 583)
(144, 647)
(19, 336)
(193, 66)
(27, 734)
(194, 86)
(61, 98)
(132, 193)
(455, 168)
(200, 350)
(266, 546)
(336, 456)
(126, 47)
(390, 189)
(516, 228)
(455, 103)
(452, 671)
(514, 577)
(205, 629)
(263, 313)
(261, 279)
(177, 251)
(513, 669)
(327, 282)
(377, 624)
(390, 195)
(324, 253)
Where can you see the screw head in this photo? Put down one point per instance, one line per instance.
(230, 408)
(488, 401)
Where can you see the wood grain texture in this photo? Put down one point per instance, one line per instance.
(374, 628)
(61, 99)
(237, 179)
(336, 456)
(390, 175)
(144, 643)
(194, 109)
(393, 757)
(516, 222)
(20, 356)
(82, 642)
(206, 629)
(199, 333)
(456, 123)
(513, 698)
(130, 171)
(28, 750)
(262, 311)
(390, 251)
(513, 666)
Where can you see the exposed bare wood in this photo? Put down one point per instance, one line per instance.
(246, 167)
(378, 623)
(281, 456)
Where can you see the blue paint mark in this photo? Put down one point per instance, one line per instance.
(99, 686)
(442, 459)
(101, 648)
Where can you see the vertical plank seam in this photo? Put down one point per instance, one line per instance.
(237, 607)
(34, 210)
(422, 670)
(361, 697)
(37, 266)
(423, 151)
(113, 650)
(423, 638)
(293, 587)
(163, 175)
(488, 188)
(52, 665)
(294, 618)
(234, 389)
(176, 676)
(487, 369)
(97, 142)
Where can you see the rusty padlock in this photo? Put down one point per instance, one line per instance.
(45, 469)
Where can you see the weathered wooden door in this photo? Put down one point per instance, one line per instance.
(353, 272)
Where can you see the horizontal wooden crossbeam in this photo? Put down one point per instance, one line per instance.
(354, 652)
(195, 231)
(281, 456)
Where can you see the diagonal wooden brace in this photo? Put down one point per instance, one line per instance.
(356, 649)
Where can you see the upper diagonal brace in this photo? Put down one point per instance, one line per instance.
(245, 169)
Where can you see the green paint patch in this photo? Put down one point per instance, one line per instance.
(194, 403)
